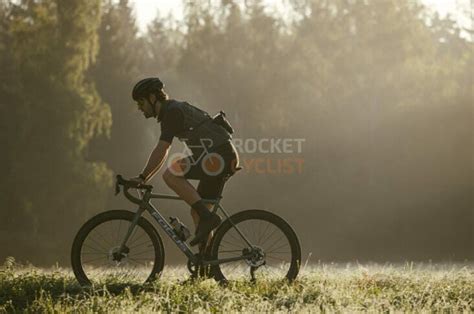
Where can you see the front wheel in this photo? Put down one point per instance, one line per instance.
(274, 251)
(97, 255)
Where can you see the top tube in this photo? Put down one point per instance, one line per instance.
(165, 196)
(176, 197)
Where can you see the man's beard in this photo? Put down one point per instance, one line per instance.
(147, 115)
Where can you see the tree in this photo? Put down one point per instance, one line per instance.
(57, 112)
(117, 68)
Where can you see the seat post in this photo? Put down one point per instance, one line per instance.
(224, 180)
(221, 189)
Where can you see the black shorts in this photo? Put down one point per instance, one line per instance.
(212, 170)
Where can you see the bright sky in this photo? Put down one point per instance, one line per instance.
(146, 10)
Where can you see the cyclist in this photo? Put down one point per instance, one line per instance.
(194, 127)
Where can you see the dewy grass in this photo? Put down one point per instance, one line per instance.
(322, 287)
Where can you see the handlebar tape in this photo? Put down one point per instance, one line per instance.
(130, 184)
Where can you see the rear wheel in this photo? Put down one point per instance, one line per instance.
(97, 256)
(274, 252)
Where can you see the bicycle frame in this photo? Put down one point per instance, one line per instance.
(168, 229)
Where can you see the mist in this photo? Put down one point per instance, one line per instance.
(354, 121)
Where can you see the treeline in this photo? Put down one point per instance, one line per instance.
(381, 91)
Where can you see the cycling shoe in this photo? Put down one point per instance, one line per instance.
(205, 226)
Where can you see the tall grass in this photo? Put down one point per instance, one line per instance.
(321, 287)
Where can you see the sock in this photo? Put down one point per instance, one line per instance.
(201, 209)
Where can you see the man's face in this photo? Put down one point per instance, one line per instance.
(146, 107)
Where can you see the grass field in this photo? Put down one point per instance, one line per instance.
(321, 287)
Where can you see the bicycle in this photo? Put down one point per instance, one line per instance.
(123, 244)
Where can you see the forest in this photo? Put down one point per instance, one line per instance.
(377, 95)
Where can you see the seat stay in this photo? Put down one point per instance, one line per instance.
(218, 206)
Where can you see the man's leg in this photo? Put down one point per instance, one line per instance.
(189, 194)
(194, 214)
(210, 188)
(182, 187)
(186, 191)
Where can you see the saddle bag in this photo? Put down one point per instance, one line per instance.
(221, 120)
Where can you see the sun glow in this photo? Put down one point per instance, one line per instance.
(147, 10)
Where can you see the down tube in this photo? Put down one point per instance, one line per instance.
(170, 231)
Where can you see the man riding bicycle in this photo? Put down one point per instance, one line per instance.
(196, 128)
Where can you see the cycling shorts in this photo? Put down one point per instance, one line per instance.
(212, 170)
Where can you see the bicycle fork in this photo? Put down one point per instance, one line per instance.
(130, 230)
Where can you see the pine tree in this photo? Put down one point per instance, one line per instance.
(53, 187)
(117, 69)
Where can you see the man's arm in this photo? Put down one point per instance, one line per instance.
(156, 159)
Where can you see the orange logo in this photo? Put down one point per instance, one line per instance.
(179, 165)
(212, 164)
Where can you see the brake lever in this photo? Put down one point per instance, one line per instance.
(140, 193)
(118, 181)
(129, 184)
(117, 188)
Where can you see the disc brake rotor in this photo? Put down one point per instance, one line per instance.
(258, 256)
(117, 256)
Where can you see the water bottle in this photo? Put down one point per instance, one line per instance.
(181, 230)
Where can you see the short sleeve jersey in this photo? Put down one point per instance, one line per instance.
(172, 123)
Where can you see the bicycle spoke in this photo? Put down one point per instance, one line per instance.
(277, 248)
(96, 260)
(142, 252)
(269, 237)
(118, 232)
(141, 235)
(100, 235)
(264, 232)
(94, 249)
(277, 258)
(274, 243)
(135, 246)
(232, 244)
(94, 253)
(134, 260)
(98, 244)
(271, 250)
(235, 238)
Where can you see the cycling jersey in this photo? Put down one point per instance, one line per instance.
(192, 126)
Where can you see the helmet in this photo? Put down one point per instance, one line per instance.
(145, 87)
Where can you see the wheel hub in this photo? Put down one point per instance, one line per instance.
(118, 256)
(258, 256)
